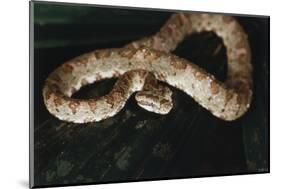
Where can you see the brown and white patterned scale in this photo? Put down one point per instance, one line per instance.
(140, 64)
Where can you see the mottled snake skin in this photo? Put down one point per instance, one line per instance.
(141, 63)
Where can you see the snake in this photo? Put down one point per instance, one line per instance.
(147, 68)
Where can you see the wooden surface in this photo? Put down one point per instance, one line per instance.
(136, 144)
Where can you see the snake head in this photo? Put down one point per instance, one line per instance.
(158, 100)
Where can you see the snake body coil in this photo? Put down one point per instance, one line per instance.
(141, 63)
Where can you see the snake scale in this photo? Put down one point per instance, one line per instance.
(141, 64)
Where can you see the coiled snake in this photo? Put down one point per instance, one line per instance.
(141, 63)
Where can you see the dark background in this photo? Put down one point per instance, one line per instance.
(136, 144)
